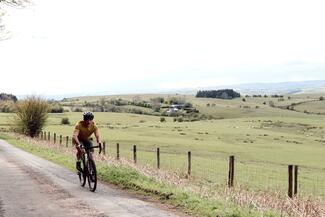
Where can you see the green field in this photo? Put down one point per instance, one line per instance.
(263, 139)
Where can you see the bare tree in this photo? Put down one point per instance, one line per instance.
(102, 103)
(16, 3)
(4, 33)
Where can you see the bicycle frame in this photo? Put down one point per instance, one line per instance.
(89, 168)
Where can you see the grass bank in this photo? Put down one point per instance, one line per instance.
(128, 178)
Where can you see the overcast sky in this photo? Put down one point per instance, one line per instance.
(124, 46)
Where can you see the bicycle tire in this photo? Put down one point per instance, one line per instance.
(92, 175)
(83, 175)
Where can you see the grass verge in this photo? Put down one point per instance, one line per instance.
(128, 178)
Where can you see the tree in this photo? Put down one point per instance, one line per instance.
(176, 100)
(31, 115)
(156, 103)
(102, 103)
(4, 34)
(7, 97)
(271, 104)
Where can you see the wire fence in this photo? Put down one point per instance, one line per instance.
(215, 170)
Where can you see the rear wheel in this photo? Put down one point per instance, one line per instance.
(82, 175)
(92, 175)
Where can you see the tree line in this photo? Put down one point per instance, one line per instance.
(219, 94)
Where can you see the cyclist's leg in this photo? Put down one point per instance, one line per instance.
(88, 144)
(79, 158)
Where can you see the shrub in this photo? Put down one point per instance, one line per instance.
(156, 107)
(65, 121)
(57, 109)
(188, 105)
(176, 100)
(271, 104)
(321, 98)
(162, 119)
(180, 119)
(31, 115)
(136, 111)
(77, 109)
(157, 100)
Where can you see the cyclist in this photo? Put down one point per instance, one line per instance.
(81, 135)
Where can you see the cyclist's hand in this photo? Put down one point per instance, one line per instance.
(78, 148)
(79, 152)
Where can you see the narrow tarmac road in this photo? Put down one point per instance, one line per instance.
(31, 186)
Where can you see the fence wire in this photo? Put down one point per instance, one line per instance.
(212, 170)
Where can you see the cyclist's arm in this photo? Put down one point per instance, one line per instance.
(97, 135)
(75, 137)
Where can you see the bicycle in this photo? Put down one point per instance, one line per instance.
(88, 168)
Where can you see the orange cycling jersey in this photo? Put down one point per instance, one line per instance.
(84, 131)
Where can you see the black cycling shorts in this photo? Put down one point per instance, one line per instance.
(86, 143)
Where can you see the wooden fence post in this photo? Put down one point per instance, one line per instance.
(290, 183)
(49, 136)
(158, 158)
(44, 137)
(54, 138)
(41, 135)
(295, 192)
(67, 142)
(189, 159)
(117, 151)
(104, 148)
(60, 139)
(231, 173)
(135, 154)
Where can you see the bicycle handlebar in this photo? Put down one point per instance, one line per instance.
(98, 146)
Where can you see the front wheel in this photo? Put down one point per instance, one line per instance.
(82, 175)
(92, 175)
